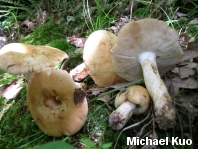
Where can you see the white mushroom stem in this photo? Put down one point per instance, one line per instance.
(121, 115)
(164, 110)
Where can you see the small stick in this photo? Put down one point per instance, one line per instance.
(66, 62)
(132, 2)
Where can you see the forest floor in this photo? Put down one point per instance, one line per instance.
(67, 25)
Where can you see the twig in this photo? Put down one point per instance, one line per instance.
(132, 2)
(66, 62)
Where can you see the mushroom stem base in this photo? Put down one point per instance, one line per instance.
(121, 115)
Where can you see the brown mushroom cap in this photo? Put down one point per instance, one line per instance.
(97, 58)
(137, 37)
(20, 58)
(50, 99)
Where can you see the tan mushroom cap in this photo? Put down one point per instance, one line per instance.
(20, 58)
(133, 100)
(137, 95)
(97, 58)
(145, 35)
(50, 99)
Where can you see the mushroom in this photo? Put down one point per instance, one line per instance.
(57, 105)
(143, 47)
(133, 100)
(20, 58)
(97, 59)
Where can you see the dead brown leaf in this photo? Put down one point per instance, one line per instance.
(105, 99)
(10, 91)
(189, 64)
(92, 92)
(185, 72)
(194, 21)
(96, 91)
(189, 54)
(76, 41)
(119, 24)
(176, 83)
(183, 102)
(192, 46)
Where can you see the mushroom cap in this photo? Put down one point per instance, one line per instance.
(20, 58)
(135, 94)
(50, 99)
(145, 35)
(97, 58)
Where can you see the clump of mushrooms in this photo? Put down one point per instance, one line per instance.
(57, 105)
(97, 58)
(133, 100)
(21, 58)
(147, 47)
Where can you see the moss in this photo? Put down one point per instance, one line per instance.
(76, 60)
(44, 34)
(17, 129)
(62, 44)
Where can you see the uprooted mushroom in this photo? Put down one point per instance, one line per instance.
(97, 58)
(133, 100)
(20, 58)
(57, 105)
(148, 47)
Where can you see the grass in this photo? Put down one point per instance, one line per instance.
(18, 130)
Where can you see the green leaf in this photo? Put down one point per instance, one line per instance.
(89, 143)
(107, 145)
(56, 145)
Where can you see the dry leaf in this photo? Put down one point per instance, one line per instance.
(175, 70)
(77, 41)
(105, 100)
(194, 21)
(119, 24)
(176, 83)
(10, 91)
(189, 64)
(189, 54)
(192, 46)
(183, 102)
(185, 72)
(96, 91)
(180, 14)
(184, 38)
